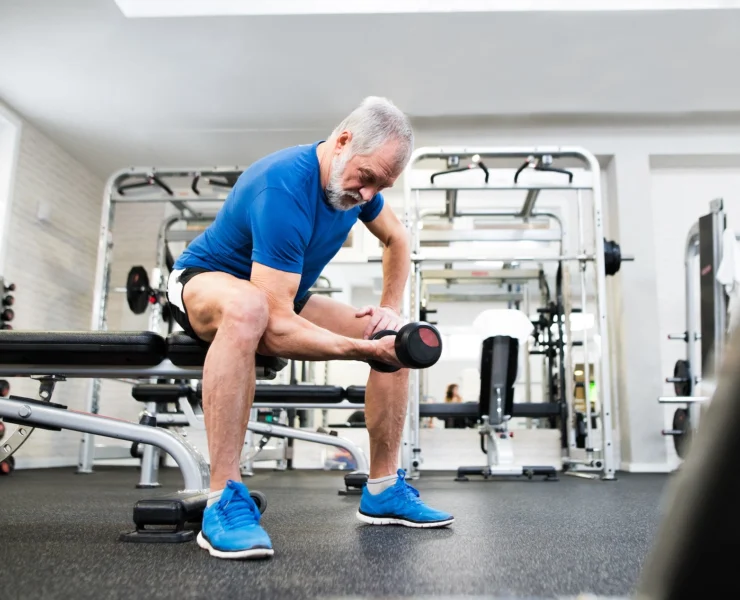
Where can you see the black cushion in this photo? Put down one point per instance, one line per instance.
(160, 392)
(356, 394)
(99, 348)
(299, 393)
(184, 351)
(442, 410)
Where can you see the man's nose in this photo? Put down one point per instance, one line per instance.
(367, 193)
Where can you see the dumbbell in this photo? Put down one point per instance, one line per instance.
(7, 466)
(418, 346)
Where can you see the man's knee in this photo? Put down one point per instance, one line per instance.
(246, 312)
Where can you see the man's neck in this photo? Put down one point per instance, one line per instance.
(324, 163)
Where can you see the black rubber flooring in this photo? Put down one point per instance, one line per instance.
(512, 539)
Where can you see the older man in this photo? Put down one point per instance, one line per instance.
(243, 287)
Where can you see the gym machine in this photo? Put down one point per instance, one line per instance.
(603, 257)
(499, 362)
(706, 339)
(699, 530)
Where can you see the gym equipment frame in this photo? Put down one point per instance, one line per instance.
(597, 459)
(706, 338)
(193, 192)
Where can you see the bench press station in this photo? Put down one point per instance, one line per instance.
(52, 357)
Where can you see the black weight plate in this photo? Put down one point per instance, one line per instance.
(259, 499)
(419, 345)
(138, 290)
(682, 423)
(612, 257)
(682, 370)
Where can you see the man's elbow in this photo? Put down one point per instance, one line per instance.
(273, 341)
(400, 239)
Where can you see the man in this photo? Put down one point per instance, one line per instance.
(243, 287)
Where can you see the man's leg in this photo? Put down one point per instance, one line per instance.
(387, 499)
(386, 394)
(232, 315)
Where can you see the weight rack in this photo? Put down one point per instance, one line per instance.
(602, 258)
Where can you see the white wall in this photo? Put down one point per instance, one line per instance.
(51, 249)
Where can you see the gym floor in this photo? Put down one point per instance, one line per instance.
(512, 539)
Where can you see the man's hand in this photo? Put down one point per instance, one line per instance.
(381, 317)
(386, 351)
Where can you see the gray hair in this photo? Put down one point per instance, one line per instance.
(375, 122)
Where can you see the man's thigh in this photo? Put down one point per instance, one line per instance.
(335, 316)
(204, 297)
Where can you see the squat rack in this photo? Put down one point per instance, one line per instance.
(153, 186)
(541, 159)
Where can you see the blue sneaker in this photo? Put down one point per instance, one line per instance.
(400, 505)
(231, 526)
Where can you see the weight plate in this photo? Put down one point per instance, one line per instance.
(612, 257)
(419, 345)
(682, 423)
(138, 290)
(259, 499)
(682, 371)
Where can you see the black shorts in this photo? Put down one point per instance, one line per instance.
(175, 286)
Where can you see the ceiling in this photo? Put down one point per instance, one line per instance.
(225, 90)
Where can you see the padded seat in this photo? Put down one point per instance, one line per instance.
(184, 351)
(77, 348)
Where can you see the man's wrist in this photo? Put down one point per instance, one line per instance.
(391, 307)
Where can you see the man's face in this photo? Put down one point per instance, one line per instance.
(356, 179)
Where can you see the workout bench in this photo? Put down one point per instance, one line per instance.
(52, 357)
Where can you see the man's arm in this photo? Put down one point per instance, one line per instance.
(290, 336)
(396, 256)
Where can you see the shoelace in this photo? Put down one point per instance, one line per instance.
(240, 512)
(409, 493)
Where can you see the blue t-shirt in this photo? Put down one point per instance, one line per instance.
(277, 214)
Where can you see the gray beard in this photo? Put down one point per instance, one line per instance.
(337, 197)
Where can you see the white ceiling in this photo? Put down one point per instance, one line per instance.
(225, 90)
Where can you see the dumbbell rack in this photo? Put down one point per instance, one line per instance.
(8, 465)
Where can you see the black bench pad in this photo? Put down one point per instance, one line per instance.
(184, 351)
(299, 393)
(109, 348)
(101, 348)
(470, 409)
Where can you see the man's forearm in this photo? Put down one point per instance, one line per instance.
(290, 336)
(396, 260)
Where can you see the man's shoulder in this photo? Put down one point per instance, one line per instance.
(288, 165)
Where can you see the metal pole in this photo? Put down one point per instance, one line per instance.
(692, 329)
(280, 431)
(99, 310)
(527, 359)
(194, 468)
(411, 219)
(602, 325)
(584, 310)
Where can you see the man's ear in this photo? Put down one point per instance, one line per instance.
(343, 139)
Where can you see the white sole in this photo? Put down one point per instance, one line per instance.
(253, 553)
(404, 522)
